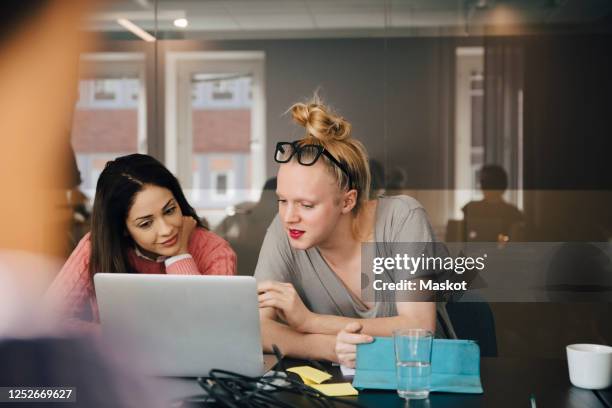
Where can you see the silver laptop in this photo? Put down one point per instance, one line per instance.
(183, 326)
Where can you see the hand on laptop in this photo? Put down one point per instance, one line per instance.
(346, 343)
(287, 302)
(189, 225)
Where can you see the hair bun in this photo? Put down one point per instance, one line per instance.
(320, 121)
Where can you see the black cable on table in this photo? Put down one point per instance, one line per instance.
(232, 390)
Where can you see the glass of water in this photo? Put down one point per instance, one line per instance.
(413, 362)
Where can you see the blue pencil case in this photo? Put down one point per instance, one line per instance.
(455, 366)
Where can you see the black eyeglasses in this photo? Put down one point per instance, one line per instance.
(307, 155)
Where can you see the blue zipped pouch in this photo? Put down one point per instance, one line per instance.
(455, 366)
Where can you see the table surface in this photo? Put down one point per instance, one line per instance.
(605, 396)
(507, 382)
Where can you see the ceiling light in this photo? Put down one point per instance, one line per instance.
(181, 22)
(136, 30)
(481, 4)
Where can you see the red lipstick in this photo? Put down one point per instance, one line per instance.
(295, 234)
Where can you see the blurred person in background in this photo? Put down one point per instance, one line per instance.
(377, 180)
(246, 227)
(492, 219)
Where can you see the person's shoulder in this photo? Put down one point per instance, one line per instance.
(474, 205)
(78, 261)
(397, 211)
(84, 245)
(512, 211)
(403, 219)
(202, 237)
(275, 228)
(276, 242)
(399, 204)
(276, 225)
(205, 244)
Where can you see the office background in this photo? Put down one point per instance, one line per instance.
(434, 89)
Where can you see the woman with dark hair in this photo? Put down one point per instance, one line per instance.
(141, 223)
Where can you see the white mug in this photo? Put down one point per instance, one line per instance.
(590, 365)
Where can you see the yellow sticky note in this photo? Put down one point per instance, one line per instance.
(336, 390)
(310, 374)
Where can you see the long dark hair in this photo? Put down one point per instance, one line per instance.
(117, 186)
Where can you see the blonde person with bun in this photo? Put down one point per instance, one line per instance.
(309, 267)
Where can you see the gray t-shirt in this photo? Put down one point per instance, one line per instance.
(398, 219)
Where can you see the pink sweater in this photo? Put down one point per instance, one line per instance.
(73, 289)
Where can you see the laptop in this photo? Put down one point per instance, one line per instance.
(183, 326)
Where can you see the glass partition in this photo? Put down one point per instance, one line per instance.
(492, 114)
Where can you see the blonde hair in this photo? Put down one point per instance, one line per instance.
(326, 128)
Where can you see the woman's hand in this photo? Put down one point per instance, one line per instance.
(189, 225)
(346, 343)
(288, 305)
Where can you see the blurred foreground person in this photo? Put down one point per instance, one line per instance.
(39, 47)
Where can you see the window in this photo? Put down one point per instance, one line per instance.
(215, 121)
(469, 116)
(109, 119)
(221, 184)
(223, 90)
(476, 141)
(105, 90)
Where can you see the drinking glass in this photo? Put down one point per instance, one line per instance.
(413, 362)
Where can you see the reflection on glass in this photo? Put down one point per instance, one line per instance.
(109, 117)
(221, 126)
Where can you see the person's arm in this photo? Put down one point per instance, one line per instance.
(182, 263)
(292, 342)
(334, 338)
(77, 327)
(356, 332)
(70, 292)
(203, 254)
(410, 315)
(285, 299)
(217, 258)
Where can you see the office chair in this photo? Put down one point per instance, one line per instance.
(474, 321)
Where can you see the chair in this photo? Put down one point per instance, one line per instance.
(474, 321)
